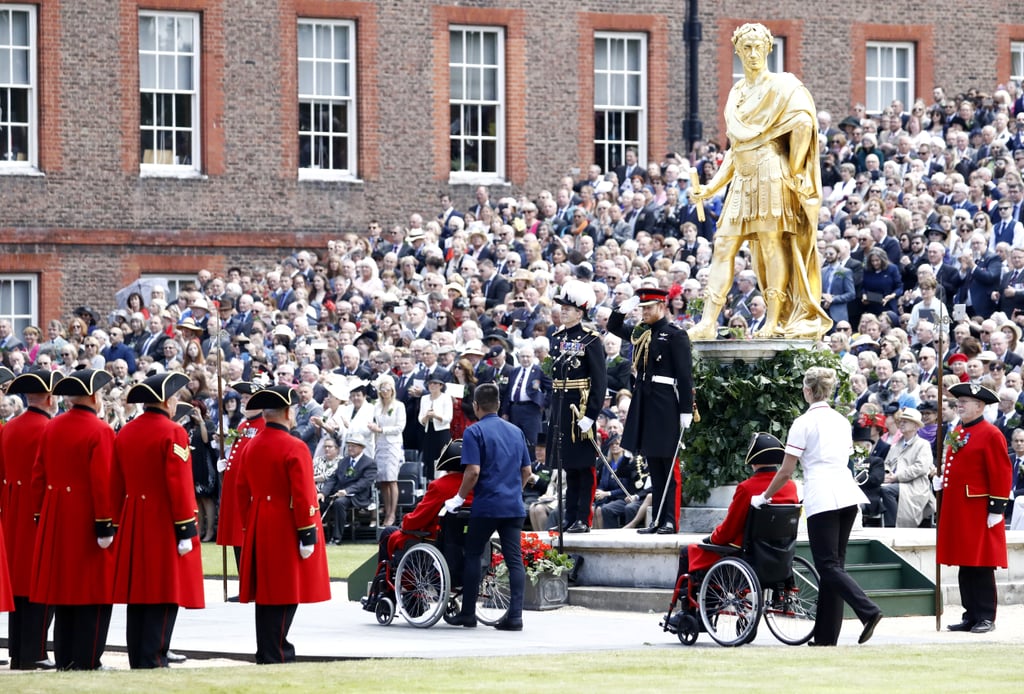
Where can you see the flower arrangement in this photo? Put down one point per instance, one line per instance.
(538, 557)
(957, 439)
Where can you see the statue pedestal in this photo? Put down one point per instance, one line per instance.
(747, 350)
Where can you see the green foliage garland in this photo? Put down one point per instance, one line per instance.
(737, 399)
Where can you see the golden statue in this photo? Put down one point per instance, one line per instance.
(774, 179)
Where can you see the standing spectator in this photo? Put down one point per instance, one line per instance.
(821, 439)
(496, 467)
(976, 482)
(20, 441)
(156, 569)
(527, 397)
(436, 411)
(204, 468)
(662, 407)
(304, 429)
(72, 569)
(882, 284)
(387, 426)
(277, 497)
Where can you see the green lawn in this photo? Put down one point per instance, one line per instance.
(341, 559)
(987, 668)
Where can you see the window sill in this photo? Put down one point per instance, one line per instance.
(180, 172)
(28, 171)
(328, 176)
(471, 179)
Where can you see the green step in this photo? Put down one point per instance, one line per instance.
(872, 576)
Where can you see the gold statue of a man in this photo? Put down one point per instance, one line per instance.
(774, 179)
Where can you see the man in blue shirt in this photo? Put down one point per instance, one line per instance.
(496, 466)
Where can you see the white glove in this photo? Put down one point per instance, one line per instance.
(184, 547)
(105, 542)
(585, 423)
(758, 500)
(629, 304)
(222, 465)
(306, 551)
(454, 504)
(995, 519)
(685, 420)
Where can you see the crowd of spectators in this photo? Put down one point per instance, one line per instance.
(922, 247)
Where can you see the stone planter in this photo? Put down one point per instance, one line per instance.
(549, 592)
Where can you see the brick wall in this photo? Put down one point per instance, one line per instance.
(81, 223)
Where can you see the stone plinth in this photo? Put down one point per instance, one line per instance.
(747, 350)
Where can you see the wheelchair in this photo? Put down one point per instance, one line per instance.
(422, 582)
(764, 578)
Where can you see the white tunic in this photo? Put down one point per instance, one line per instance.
(822, 439)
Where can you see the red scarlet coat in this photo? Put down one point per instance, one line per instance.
(19, 444)
(71, 492)
(229, 520)
(154, 507)
(424, 517)
(976, 481)
(277, 498)
(730, 530)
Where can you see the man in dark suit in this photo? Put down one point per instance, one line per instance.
(625, 172)
(351, 486)
(949, 279)
(856, 269)
(448, 213)
(527, 396)
(495, 287)
(153, 344)
(1011, 285)
(837, 287)
(981, 272)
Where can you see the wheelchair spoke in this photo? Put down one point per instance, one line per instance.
(791, 606)
(730, 602)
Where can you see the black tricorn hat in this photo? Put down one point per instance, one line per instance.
(973, 390)
(183, 410)
(82, 382)
(158, 388)
(246, 387)
(273, 398)
(35, 381)
(765, 449)
(450, 459)
(5, 375)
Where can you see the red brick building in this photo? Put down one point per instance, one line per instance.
(163, 136)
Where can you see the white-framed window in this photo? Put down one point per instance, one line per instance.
(476, 71)
(776, 61)
(327, 98)
(169, 57)
(620, 97)
(889, 74)
(1017, 61)
(18, 87)
(19, 301)
(175, 283)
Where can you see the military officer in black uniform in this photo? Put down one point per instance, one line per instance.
(662, 405)
(579, 380)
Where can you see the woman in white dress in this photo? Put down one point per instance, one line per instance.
(387, 427)
(357, 416)
(436, 410)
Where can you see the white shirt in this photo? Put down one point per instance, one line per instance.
(822, 439)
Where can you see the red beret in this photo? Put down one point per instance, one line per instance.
(957, 357)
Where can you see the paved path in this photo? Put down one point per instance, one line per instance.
(223, 633)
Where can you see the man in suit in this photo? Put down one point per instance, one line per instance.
(1011, 285)
(351, 486)
(308, 408)
(981, 272)
(856, 269)
(746, 289)
(1000, 346)
(525, 400)
(495, 287)
(837, 286)
(625, 172)
(448, 213)
(8, 341)
(241, 322)
(946, 275)
(152, 345)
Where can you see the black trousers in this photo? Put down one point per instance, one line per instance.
(478, 535)
(663, 485)
(149, 634)
(80, 635)
(26, 633)
(828, 534)
(272, 625)
(579, 494)
(978, 593)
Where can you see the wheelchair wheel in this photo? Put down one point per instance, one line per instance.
(384, 611)
(688, 629)
(494, 596)
(730, 602)
(452, 609)
(422, 585)
(790, 609)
